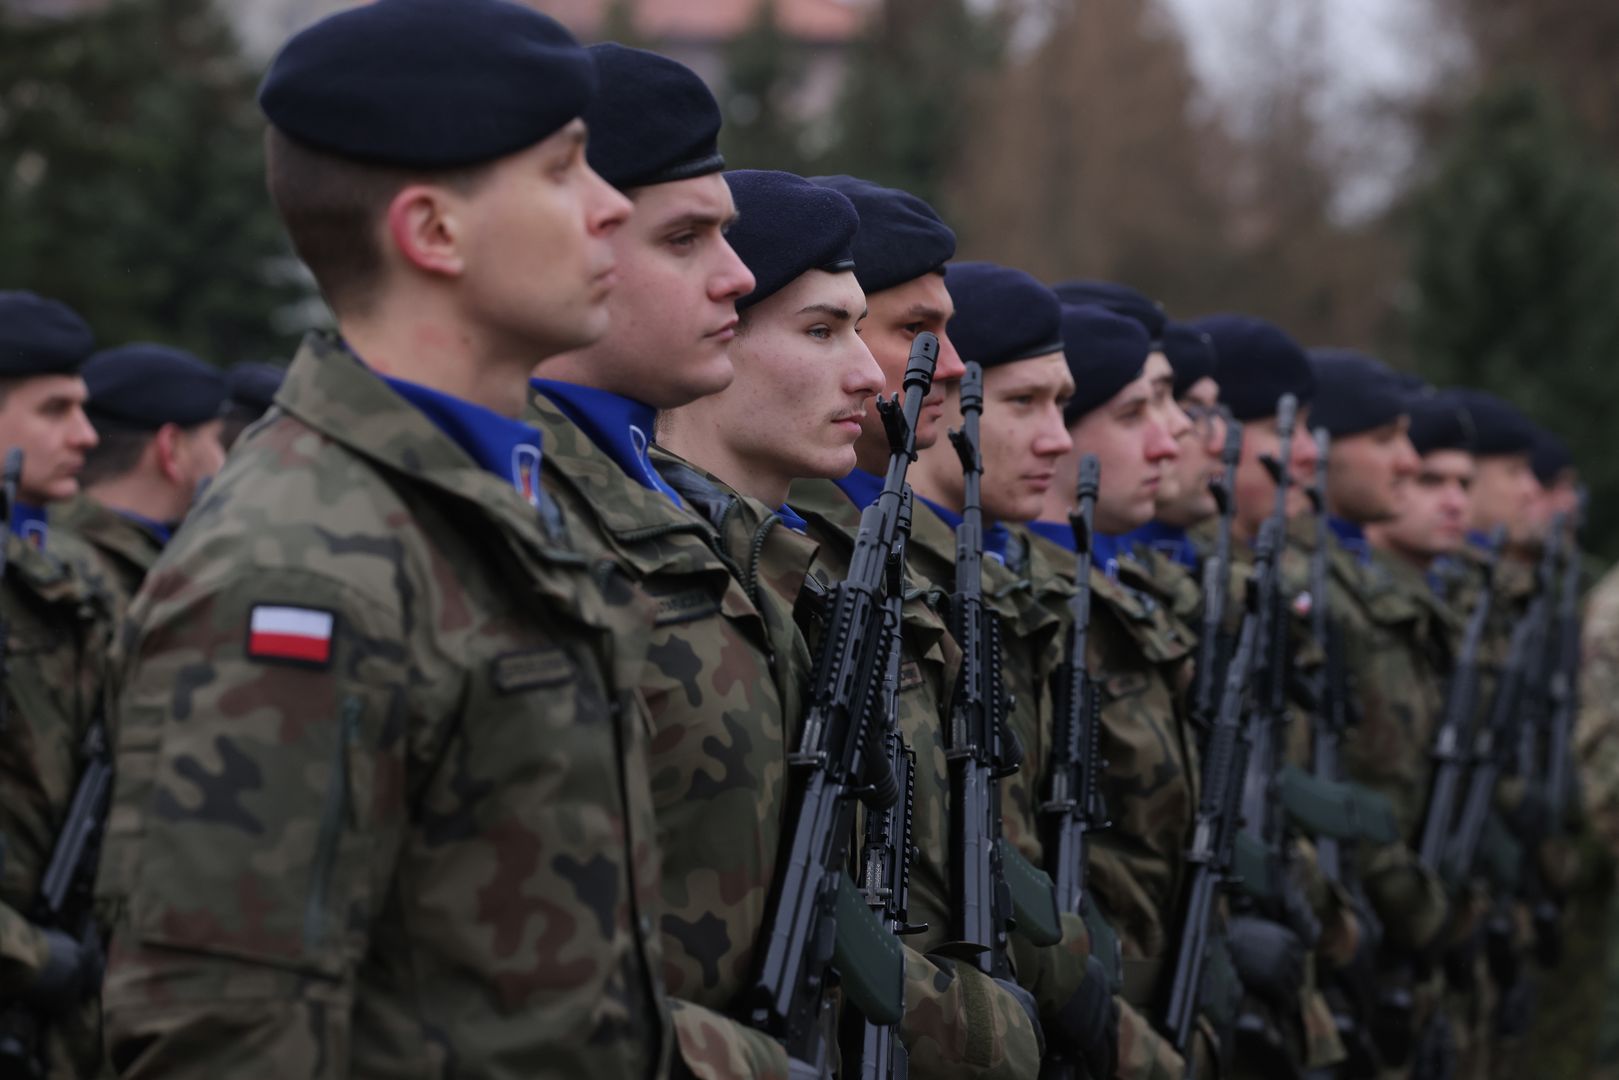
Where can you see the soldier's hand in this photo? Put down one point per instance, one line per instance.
(1027, 1003)
(72, 972)
(1269, 958)
(1088, 1023)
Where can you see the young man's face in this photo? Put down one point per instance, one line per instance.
(1253, 487)
(1367, 472)
(1505, 492)
(1184, 499)
(43, 416)
(804, 382)
(1021, 437)
(673, 311)
(1434, 507)
(896, 316)
(1136, 439)
(536, 243)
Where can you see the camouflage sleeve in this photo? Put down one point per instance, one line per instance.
(1407, 897)
(1053, 973)
(711, 1046)
(1144, 1054)
(959, 1024)
(254, 828)
(1597, 728)
(22, 952)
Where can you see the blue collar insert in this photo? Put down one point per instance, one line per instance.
(620, 427)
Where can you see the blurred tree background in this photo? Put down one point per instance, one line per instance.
(1073, 138)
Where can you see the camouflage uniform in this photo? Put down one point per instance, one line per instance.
(1139, 655)
(430, 852)
(928, 673)
(56, 629)
(718, 675)
(1597, 761)
(113, 551)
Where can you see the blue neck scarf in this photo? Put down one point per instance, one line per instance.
(1479, 539)
(620, 427)
(164, 533)
(28, 522)
(1105, 550)
(1351, 537)
(861, 487)
(996, 536)
(508, 448)
(791, 519)
(1167, 540)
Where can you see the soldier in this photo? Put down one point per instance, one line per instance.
(53, 630)
(1123, 411)
(253, 387)
(382, 804)
(1396, 648)
(804, 382)
(157, 412)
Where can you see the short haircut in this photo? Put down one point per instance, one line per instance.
(236, 419)
(332, 208)
(118, 451)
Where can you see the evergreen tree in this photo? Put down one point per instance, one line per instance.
(131, 179)
(763, 69)
(903, 112)
(1515, 269)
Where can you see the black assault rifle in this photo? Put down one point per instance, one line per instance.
(1074, 806)
(1216, 584)
(874, 1051)
(819, 923)
(980, 748)
(1212, 856)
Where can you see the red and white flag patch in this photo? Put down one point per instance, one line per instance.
(300, 634)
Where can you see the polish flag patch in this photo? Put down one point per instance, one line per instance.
(297, 634)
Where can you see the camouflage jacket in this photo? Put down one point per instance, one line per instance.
(381, 807)
(56, 635)
(114, 552)
(940, 1022)
(1597, 728)
(718, 674)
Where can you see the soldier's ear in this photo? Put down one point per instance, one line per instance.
(425, 227)
(166, 451)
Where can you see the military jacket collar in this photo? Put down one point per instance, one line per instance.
(117, 534)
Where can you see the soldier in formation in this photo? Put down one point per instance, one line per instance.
(684, 623)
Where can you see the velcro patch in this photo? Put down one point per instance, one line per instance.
(530, 669)
(688, 605)
(910, 675)
(290, 635)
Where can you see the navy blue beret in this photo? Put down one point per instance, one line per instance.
(1439, 421)
(1549, 457)
(653, 120)
(1106, 352)
(427, 84)
(146, 386)
(1119, 299)
(40, 336)
(1190, 353)
(253, 384)
(1499, 427)
(1354, 393)
(1002, 315)
(1255, 364)
(900, 238)
(786, 226)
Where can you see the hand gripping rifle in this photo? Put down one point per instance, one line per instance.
(980, 748)
(1449, 752)
(1216, 584)
(1074, 806)
(1212, 856)
(874, 1051)
(819, 923)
